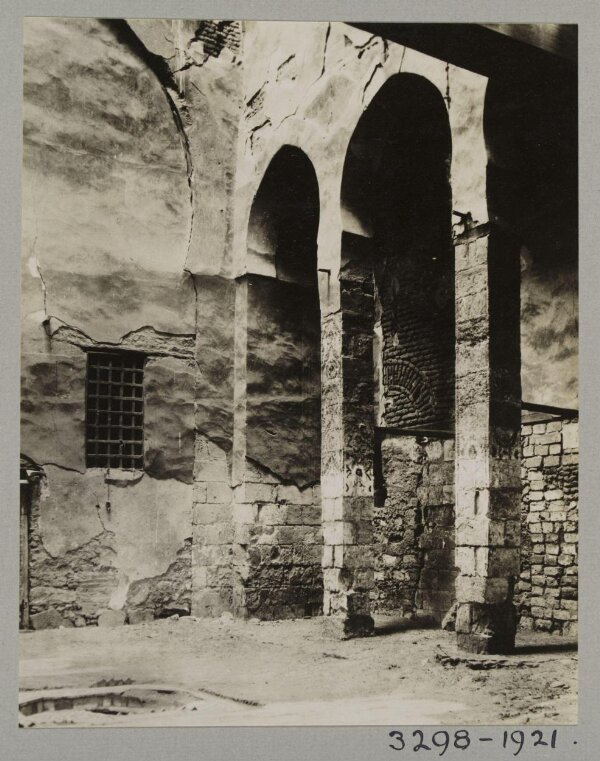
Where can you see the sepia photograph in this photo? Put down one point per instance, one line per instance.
(299, 362)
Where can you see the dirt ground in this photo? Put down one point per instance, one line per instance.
(225, 672)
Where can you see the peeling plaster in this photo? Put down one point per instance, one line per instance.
(169, 590)
(254, 130)
(118, 597)
(149, 519)
(146, 338)
(202, 61)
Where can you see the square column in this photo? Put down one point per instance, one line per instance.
(347, 455)
(488, 424)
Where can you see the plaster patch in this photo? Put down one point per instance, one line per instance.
(149, 519)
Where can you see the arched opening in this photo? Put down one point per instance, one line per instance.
(531, 136)
(283, 418)
(396, 214)
(396, 193)
(284, 218)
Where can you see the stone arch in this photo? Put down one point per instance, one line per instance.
(530, 127)
(396, 211)
(397, 342)
(278, 409)
(283, 222)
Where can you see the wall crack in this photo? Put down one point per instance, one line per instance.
(159, 66)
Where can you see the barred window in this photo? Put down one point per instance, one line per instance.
(115, 410)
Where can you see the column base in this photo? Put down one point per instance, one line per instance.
(347, 627)
(486, 628)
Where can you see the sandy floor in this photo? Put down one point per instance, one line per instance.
(296, 672)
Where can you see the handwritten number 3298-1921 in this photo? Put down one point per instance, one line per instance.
(461, 740)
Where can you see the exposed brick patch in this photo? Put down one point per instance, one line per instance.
(546, 594)
(77, 585)
(170, 591)
(216, 35)
(417, 320)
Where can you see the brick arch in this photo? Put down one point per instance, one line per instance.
(395, 281)
(410, 387)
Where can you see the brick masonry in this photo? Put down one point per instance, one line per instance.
(216, 35)
(546, 594)
(417, 322)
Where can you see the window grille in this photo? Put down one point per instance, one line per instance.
(115, 410)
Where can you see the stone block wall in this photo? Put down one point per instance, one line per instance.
(414, 527)
(212, 527)
(414, 531)
(278, 548)
(546, 594)
(348, 445)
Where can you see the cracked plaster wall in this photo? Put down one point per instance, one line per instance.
(126, 205)
(283, 384)
(200, 65)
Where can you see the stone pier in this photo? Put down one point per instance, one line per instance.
(488, 488)
(347, 452)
